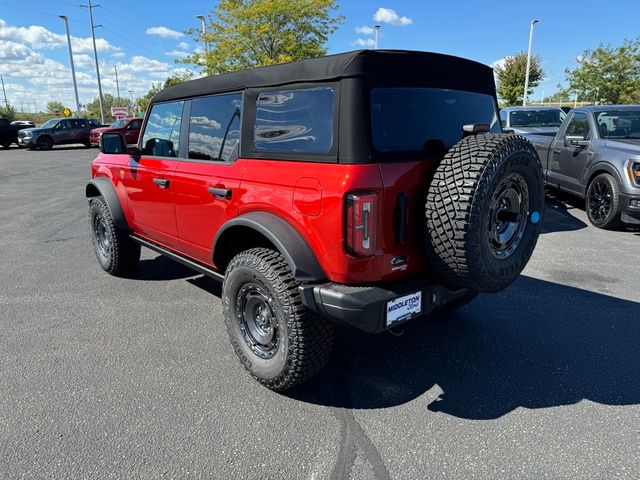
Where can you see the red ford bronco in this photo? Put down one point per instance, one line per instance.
(365, 188)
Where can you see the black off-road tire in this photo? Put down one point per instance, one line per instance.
(117, 254)
(464, 203)
(602, 202)
(6, 145)
(303, 341)
(45, 143)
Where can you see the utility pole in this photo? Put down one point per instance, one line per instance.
(132, 107)
(526, 78)
(95, 55)
(204, 33)
(376, 31)
(73, 70)
(4, 92)
(115, 67)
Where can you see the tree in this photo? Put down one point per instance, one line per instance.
(8, 112)
(608, 74)
(108, 101)
(143, 102)
(178, 78)
(511, 77)
(54, 106)
(248, 33)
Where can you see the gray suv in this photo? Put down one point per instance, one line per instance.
(57, 131)
(596, 155)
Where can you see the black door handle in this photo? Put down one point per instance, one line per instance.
(557, 150)
(220, 192)
(161, 182)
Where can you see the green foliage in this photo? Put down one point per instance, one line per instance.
(248, 33)
(8, 112)
(608, 74)
(108, 100)
(511, 78)
(143, 102)
(53, 107)
(178, 78)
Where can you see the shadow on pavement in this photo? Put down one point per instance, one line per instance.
(538, 344)
(161, 268)
(557, 216)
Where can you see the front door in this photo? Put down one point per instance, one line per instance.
(132, 131)
(567, 162)
(149, 180)
(207, 184)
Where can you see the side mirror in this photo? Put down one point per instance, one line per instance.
(112, 143)
(575, 141)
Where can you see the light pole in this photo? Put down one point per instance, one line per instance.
(376, 32)
(204, 32)
(95, 55)
(526, 78)
(73, 69)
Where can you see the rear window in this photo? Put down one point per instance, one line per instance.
(295, 121)
(421, 120)
(537, 118)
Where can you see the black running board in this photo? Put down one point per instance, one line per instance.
(187, 262)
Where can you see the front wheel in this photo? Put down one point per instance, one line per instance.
(603, 202)
(45, 143)
(278, 340)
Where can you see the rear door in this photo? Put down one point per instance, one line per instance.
(207, 183)
(149, 178)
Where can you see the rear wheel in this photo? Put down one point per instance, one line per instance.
(278, 340)
(483, 212)
(603, 202)
(6, 144)
(117, 254)
(45, 143)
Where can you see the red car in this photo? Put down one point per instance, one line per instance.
(366, 188)
(129, 127)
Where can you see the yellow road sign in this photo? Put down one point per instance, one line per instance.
(66, 112)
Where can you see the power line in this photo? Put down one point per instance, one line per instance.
(40, 12)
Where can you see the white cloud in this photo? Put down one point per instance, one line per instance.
(83, 61)
(498, 63)
(164, 32)
(362, 42)
(119, 55)
(364, 30)
(386, 15)
(183, 45)
(177, 53)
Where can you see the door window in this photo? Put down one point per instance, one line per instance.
(295, 121)
(162, 134)
(135, 124)
(214, 127)
(578, 126)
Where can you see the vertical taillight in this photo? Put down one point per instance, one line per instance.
(360, 228)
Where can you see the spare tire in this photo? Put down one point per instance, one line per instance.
(483, 212)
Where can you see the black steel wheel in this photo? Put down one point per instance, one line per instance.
(508, 210)
(117, 254)
(45, 143)
(603, 202)
(278, 340)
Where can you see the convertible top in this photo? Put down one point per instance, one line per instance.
(396, 66)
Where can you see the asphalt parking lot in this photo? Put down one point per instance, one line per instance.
(102, 377)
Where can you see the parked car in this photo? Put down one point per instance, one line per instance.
(539, 120)
(20, 124)
(8, 133)
(57, 131)
(366, 188)
(129, 127)
(596, 156)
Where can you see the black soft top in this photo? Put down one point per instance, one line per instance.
(397, 66)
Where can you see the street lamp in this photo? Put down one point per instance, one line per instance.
(204, 32)
(73, 70)
(377, 30)
(526, 78)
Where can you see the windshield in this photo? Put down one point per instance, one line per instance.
(619, 124)
(537, 118)
(50, 123)
(428, 121)
(118, 124)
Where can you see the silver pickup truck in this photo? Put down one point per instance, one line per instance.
(596, 155)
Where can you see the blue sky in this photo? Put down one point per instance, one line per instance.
(143, 37)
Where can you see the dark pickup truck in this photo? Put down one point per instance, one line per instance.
(8, 133)
(596, 155)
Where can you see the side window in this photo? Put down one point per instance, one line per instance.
(64, 125)
(295, 121)
(162, 134)
(135, 124)
(578, 126)
(503, 118)
(214, 127)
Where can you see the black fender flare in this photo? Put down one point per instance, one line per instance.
(102, 186)
(601, 166)
(282, 235)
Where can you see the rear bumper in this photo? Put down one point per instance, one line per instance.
(630, 208)
(365, 307)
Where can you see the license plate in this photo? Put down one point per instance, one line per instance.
(404, 308)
